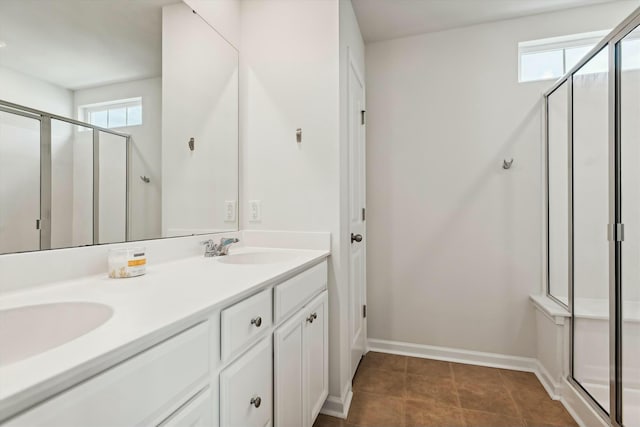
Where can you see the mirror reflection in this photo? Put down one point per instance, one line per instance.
(118, 122)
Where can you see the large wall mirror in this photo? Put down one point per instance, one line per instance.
(118, 122)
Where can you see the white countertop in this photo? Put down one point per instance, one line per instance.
(147, 309)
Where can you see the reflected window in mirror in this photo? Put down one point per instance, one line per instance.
(113, 114)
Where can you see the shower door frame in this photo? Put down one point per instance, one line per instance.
(615, 226)
(44, 222)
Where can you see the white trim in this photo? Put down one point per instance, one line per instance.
(579, 408)
(546, 379)
(493, 360)
(338, 407)
(562, 42)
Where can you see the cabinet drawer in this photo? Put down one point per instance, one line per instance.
(292, 294)
(198, 412)
(243, 323)
(140, 391)
(246, 389)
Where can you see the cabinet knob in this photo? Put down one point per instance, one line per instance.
(257, 321)
(312, 317)
(256, 401)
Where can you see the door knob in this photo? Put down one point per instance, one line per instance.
(356, 238)
(256, 401)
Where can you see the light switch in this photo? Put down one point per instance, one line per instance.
(254, 211)
(229, 210)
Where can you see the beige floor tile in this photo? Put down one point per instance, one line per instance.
(327, 421)
(428, 367)
(440, 390)
(385, 362)
(488, 398)
(516, 380)
(375, 410)
(487, 419)
(388, 383)
(420, 413)
(476, 374)
(541, 410)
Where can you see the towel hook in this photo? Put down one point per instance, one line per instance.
(507, 164)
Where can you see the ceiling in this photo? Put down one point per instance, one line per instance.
(389, 19)
(78, 43)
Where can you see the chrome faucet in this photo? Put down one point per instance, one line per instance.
(218, 249)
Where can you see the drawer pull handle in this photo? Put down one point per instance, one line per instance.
(312, 317)
(256, 401)
(258, 322)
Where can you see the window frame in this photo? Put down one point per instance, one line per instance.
(553, 44)
(85, 111)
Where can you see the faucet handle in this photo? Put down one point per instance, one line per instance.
(228, 240)
(208, 243)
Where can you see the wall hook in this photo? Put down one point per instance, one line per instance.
(145, 179)
(299, 135)
(507, 164)
(192, 144)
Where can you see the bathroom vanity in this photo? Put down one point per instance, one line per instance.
(240, 340)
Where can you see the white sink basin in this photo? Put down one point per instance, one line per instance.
(33, 329)
(258, 258)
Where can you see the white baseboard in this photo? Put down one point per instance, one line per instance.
(553, 388)
(336, 406)
(492, 360)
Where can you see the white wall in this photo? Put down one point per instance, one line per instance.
(199, 101)
(222, 15)
(290, 61)
(146, 160)
(34, 93)
(454, 240)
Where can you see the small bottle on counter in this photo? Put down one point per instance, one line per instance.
(128, 262)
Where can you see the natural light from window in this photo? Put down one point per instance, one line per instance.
(550, 59)
(113, 114)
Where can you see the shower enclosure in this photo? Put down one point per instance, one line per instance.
(593, 219)
(63, 182)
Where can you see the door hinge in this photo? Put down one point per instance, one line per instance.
(364, 214)
(616, 232)
(362, 114)
(37, 224)
(364, 311)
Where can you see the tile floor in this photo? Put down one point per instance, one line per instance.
(400, 391)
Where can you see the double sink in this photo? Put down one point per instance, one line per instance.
(29, 330)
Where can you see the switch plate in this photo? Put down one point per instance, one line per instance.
(229, 210)
(255, 214)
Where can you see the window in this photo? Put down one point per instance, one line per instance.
(113, 114)
(552, 58)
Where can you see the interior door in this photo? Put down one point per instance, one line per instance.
(357, 186)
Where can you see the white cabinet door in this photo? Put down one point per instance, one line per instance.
(288, 366)
(316, 345)
(246, 389)
(196, 413)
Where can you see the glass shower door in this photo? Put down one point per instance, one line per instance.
(590, 216)
(19, 183)
(629, 57)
